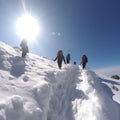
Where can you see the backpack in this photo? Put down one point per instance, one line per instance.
(60, 54)
(84, 58)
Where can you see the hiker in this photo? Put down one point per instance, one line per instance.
(24, 47)
(68, 58)
(60, 58)
(74, 63)
(84, 61)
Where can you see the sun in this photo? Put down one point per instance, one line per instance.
(27, 27)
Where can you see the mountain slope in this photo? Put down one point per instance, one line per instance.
(35, 89)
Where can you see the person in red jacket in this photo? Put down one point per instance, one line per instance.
(84, 61)
(60, 58)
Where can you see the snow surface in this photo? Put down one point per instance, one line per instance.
(35, 89)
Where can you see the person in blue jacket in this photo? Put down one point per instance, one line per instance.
(68, 58)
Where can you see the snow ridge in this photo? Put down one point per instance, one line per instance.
(60, 103)
(35, 89)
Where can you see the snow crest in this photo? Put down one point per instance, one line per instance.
(35, 89)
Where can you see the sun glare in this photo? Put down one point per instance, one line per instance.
(27, 27)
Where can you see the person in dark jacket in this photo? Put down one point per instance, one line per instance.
(84, 61)
(74, 63)
(24, 47)
(60, 58)
(68, 58)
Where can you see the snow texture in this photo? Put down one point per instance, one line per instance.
(35, 89)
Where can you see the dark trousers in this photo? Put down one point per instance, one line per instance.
(60, 64)
(24, 54)
(68, 61)
(84, 65)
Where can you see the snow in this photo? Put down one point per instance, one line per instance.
(35, 89)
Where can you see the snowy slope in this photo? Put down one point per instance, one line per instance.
(35, 89)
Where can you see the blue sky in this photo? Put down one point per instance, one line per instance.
(78, 27)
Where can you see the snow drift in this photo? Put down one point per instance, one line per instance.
(35, 89)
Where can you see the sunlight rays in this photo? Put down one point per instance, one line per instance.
(27, 26)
